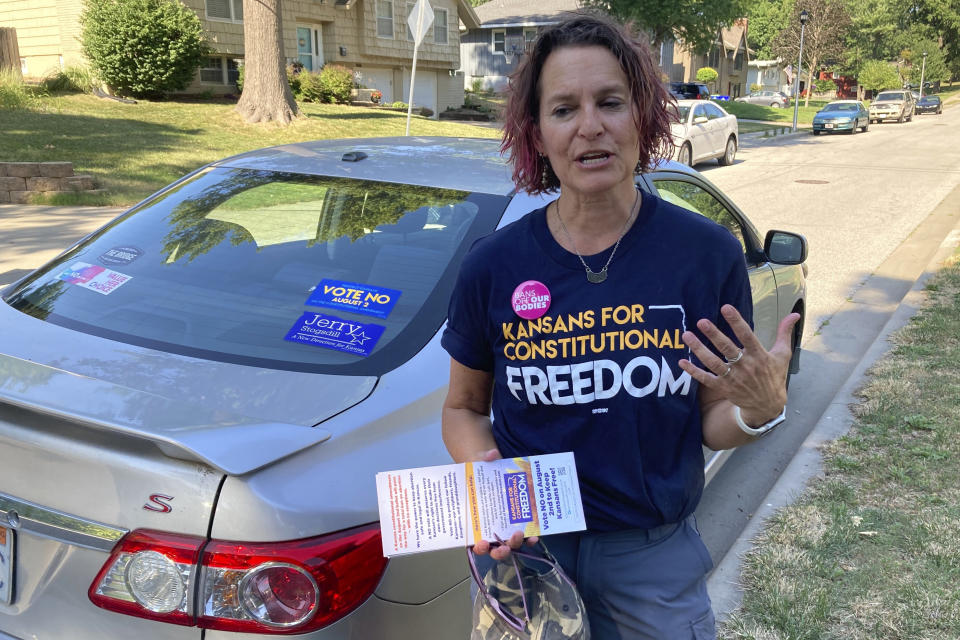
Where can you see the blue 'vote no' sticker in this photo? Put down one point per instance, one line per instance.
(353, 296)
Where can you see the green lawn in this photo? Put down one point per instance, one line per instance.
(134, 149)
(756, 112)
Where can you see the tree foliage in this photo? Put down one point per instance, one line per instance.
(943, 18)
(767, 19)
(877, 75)
(695, 22)
(823, 35)
(936, 65)
(142, 48)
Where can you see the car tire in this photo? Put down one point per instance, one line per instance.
(685, 155)
(865, 127)
(853, 129)
(796, 336)
(729, 153)
(774, 105)
(900, 118)
(816, 132)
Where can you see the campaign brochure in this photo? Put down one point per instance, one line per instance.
(454, 505)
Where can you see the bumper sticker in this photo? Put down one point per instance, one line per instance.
(335, 333)
(351, 296)
(93, 277)
(119, 256)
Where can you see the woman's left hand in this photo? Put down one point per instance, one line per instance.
(750, 377)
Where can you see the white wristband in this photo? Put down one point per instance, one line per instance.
(762, 429)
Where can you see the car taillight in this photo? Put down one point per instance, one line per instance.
(264, 587)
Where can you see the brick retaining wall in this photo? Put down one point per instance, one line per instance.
(20, 181)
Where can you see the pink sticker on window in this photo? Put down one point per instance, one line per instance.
(531, 299)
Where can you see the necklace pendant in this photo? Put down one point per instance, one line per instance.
(597, 277)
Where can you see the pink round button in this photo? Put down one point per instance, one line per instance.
(531, 299)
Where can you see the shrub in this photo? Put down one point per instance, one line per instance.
(706, 74)
(142, 48)
(426, 112)
(72, 79)
(823, 85)
(476, 85)
(336, 82)
(311, 89)
(756, 87)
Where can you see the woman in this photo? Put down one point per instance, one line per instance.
(573, 324)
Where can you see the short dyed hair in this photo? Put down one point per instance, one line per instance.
(648, 94)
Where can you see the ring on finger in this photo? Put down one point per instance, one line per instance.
(737, 359)
(726, 372)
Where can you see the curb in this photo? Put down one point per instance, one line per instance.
(723, 584)
(759, 137)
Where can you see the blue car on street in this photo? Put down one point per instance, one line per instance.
(841, 115)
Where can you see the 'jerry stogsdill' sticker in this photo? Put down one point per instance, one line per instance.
(331, 332)
(120, 256)
(530, 299)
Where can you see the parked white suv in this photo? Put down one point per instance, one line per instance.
(892, 105)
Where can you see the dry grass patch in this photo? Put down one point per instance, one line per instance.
(872, 549)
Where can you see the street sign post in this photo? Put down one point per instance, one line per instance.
(419, 21)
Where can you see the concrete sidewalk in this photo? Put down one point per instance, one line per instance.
(723, 583)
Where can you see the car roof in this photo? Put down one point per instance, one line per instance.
(844, 102)
(691, 102)
(467, 164)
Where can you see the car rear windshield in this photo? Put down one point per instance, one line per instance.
(894, 95)
(277, 270)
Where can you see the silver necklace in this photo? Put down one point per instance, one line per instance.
(596, 277)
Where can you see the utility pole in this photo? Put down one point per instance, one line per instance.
(923, 70)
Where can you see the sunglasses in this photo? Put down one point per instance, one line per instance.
(504, 612)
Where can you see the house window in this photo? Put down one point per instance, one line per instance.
(384, 18)
(23, 66)
(738, 62)
(713, 59)
(499, 41)
(529, 36)
(440, 26)
(220, 71)
(406, 23)
(230, 10)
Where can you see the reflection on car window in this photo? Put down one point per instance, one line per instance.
(695, 198)
(699, 111)
(223, 265)
(713, 111)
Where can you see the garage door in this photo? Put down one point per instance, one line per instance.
(381, 79)
(424, 90)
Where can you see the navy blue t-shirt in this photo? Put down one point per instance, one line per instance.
(597, 374)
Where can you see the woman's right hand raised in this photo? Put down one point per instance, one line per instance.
(497, 550)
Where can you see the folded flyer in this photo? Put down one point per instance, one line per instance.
(454, 505)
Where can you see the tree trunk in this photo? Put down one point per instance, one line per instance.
(9, 52)
(266, 94)
(813, 65)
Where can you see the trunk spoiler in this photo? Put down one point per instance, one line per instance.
(231, 443)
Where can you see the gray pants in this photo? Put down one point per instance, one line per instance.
(640, 584)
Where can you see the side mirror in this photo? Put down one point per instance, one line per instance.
(785, 247)
(700, 120)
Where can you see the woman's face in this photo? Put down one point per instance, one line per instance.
(586, 119)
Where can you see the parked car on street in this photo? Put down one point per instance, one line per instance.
(891, 105)
(929, 104)
(195, 399)
(841, 115)
(775, 99)
(703, 131)
(690, 90)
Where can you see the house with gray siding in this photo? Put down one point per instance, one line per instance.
(492, 51)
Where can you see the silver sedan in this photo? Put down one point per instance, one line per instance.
(702, 130)
(195, 399)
